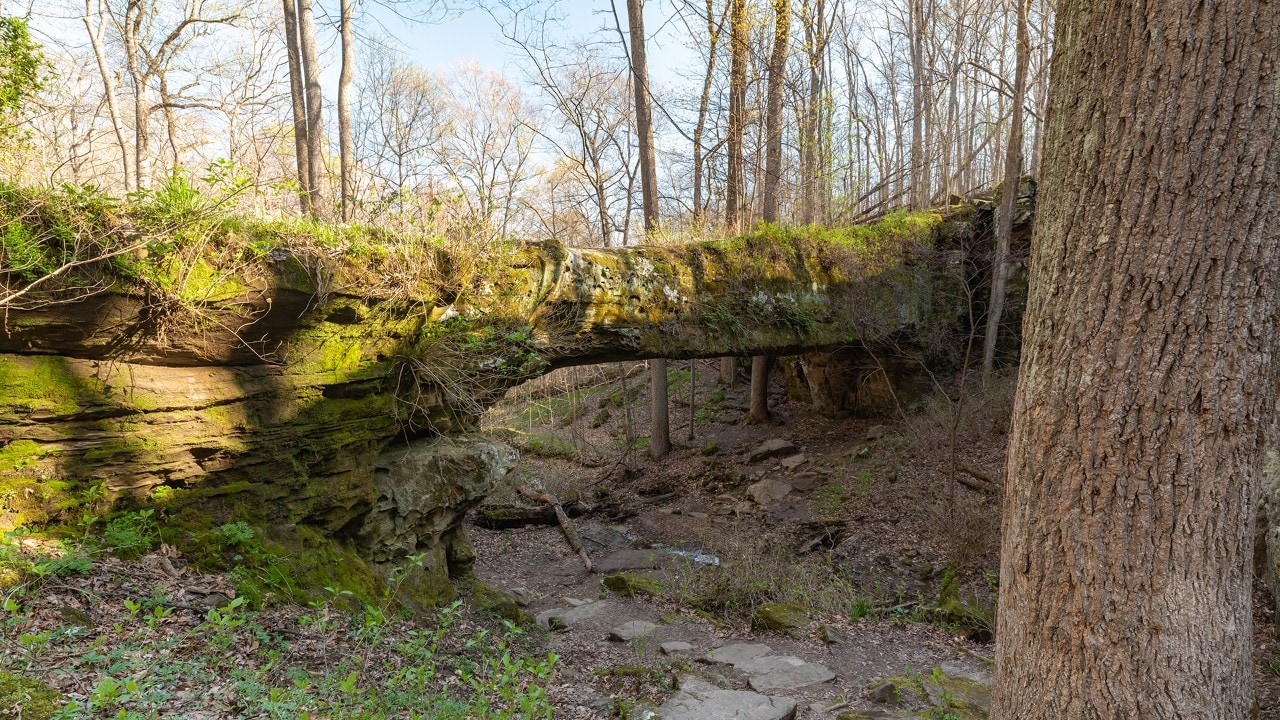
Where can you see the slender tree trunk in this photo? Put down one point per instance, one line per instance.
(659, 417)
(734, 190)
(1008, 198)
(1148, 370)
(141, 103)
(916, 40)
(315, 110)
(704, 101)
(109, 90)
(773, 114)
(298, 94)
(758, 412)
(346, 147)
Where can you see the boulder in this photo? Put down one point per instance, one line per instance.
(423, 492)
(699, 700)
(631, 584)
(630, 630)
(737, 653)
(767, 492)
(785, 672)
(771, 448)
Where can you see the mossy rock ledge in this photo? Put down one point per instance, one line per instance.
(307, 393)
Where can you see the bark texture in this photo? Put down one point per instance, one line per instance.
(734, 213)
(1148, 373)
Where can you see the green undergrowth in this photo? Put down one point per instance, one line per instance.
(144, 656)
(760, 572)
(186, 240)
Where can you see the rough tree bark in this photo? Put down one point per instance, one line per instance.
(1148, 372)
(1009, 198)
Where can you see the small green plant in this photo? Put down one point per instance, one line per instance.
(131, 534)
(832, 501)
(233, 534)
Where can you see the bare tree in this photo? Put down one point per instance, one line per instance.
(346, 146)
(1008, 198)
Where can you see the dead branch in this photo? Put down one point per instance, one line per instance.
(566, 525)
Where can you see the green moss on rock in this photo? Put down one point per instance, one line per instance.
(779, 616)
(36, 700)
(631, 584)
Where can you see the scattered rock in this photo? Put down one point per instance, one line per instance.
(627, 560)
(831, 636)
(779, 616)
(575, 602)
(499, 602)
(965, 697)
(774, 447)
(883, 692)
(630, 630)
(773, 672)
(794, 461)
(804, 481)
(566, 618)
(699, 700)
(631, 584)
(522, 596)
(737, 653)
(875, 432)
(676, 647)
(874, 715)
(768, 491)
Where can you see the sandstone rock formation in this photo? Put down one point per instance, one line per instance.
(269, 387)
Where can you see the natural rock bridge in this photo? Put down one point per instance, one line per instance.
(310, 393)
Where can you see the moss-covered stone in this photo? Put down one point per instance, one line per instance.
(37, 700)
(779, 616)
(631, 584)
(500, 603)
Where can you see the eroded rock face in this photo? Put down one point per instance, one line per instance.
(424, 491)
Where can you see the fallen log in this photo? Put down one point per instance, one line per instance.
(566, 525)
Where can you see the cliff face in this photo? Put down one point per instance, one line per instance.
(270, 387)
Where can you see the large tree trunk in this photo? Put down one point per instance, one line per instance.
(1009, 197)
(1148, 372)
(733, 212)
(773, 115)
(346, 148)
(298, 93)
